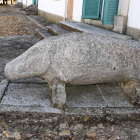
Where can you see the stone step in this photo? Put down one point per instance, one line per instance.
(86, 28)
(57, 30)
(40, 21)
(43, 33)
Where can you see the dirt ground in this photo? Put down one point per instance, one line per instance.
(13, 22)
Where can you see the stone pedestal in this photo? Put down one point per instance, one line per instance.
(120, 23)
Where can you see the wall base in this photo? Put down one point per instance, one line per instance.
(51, 17)
(99, 24)
(134, 32)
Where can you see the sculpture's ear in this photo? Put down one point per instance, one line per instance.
(34, 62)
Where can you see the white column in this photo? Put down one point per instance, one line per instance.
(123, 7)
(19, 0)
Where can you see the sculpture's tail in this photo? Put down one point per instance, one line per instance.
(35, 61)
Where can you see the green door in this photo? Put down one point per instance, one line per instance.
(91, 9)
(110, 9)
(35, 2)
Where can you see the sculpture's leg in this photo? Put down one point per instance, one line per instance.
(131, 90)
(58, 99)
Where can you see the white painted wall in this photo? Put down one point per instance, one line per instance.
(29, 2)
(24, 2)
(77, 9)
(134, 14)
(56, 7)
(19, 0)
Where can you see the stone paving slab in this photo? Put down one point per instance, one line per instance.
(3, 86)
(84, 96)
(113, 95)
(57, 30)
(43, 33)
(27, 95)
(83, 27)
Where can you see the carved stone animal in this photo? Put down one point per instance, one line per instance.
(78, 59)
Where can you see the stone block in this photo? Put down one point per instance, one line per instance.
(120, 24)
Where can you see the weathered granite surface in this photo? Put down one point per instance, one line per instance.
(78, 59)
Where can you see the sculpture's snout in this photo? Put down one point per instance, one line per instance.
(15, 70)
(34, 62)
(8, 71)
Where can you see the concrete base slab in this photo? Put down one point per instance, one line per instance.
(82, 27)
(101, 95)
(98, 102)
(30, 103)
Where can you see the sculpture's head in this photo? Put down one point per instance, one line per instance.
(34, 62)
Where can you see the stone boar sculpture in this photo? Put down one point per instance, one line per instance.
(79, 59)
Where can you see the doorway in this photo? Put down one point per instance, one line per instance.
(35, 2)
(92, 9)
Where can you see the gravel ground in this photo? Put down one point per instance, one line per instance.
(13, 22)
(13, 26)
(100, 131)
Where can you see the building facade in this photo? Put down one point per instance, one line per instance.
(117, 15)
